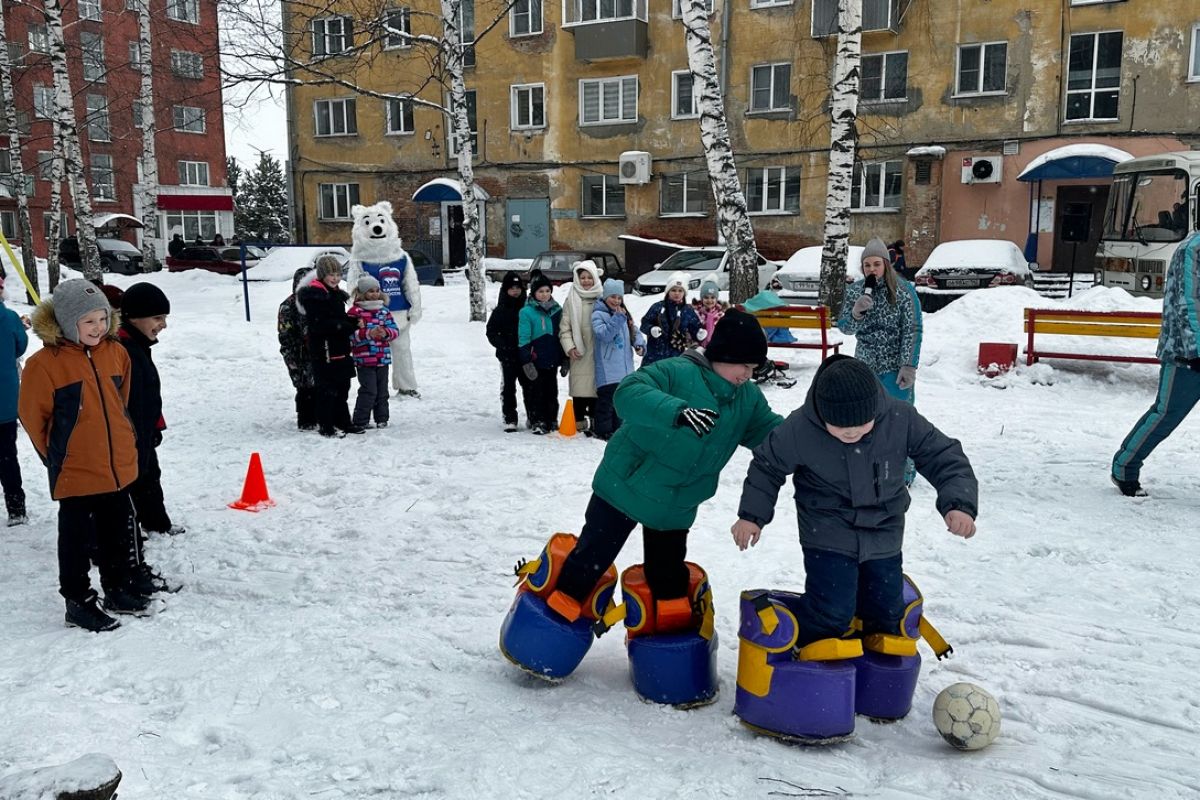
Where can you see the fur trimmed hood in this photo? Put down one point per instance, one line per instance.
(45, 325)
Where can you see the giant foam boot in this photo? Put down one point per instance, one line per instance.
(546, 632)
(890, 664)
(808, 696)
(672, 644)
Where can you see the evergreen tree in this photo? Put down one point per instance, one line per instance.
(234, 172)
(261, 202)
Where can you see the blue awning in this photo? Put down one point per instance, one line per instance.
(1074, 161)
(445, 190)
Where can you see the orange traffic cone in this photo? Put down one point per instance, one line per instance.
(254, 491)
(567, 426)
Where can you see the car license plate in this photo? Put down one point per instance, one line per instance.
(801, 286)
(962, 283)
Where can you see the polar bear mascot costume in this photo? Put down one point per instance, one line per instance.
(376, 251)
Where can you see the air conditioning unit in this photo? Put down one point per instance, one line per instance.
(982, 169)
(634, 167)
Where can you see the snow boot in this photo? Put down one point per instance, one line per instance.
(672, 643)
(547, 633)
(84, 613)
(145, 581)
(122, 600)
(15, 503)
(1130, 488)
(510, 427)
(805, 696)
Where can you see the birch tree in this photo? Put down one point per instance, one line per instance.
(68, 141)
(733, 219)
(16, 163)
(57, 168)
(149, 157)
(843, 136)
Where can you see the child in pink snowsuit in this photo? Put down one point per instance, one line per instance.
(371, 351)
(709, 308)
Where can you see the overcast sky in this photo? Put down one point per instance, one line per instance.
(255, 124)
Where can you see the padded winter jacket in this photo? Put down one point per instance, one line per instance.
(658, 473)
(370, 352)
(329, 328)
(502, 324)
(293, 346)
(679, 324)
(537, 335)
(888, 336)
(13, 341)
(145, 392)
(612, 345)
(851, 498)
(1179, 339)
(73, 406)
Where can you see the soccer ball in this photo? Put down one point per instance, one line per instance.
(967, 716)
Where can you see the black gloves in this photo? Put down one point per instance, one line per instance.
(156, 440)
(1194, 363)
(699, 420)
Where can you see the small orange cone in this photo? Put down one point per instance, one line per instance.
(567, 426)
(254, 491)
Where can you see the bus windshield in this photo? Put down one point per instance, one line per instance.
(1149, 206)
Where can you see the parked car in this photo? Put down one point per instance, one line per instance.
(428, 273)
(116, 255)
(222, 260)
(955, 268)
(556, 265)
(282, 262)
(699, 261)
(800, 275)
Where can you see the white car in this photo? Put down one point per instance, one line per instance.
(955, 268)
(282, 262)
(800, 275)
(698, 262)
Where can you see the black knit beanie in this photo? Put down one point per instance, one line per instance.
(737, 339)
(144, 300)
(846, 392)
(538, 282)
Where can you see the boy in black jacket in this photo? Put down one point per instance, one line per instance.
(502, 334)
(144, 310)
(324, 305)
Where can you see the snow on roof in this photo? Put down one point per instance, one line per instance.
(933, 150)
(978, 253)
(629, 238)
(807, 261)
(1077, 151)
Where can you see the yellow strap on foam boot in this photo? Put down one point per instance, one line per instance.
(612, 615)
(830, 650)
(941, 648)
(890, 644)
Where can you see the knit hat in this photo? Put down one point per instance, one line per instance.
(114, 295)
(710, 288)
(680, 279)
(737, 339)
(366, 283)
(846, 392)
(613, 288)
(327, 265)
(144, 300)
(73, 300)
(538, 282)
(876, 247)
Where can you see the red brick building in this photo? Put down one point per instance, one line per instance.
(102, 45)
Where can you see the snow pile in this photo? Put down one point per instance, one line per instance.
(86, 773)
(282, 262)
(343, 644)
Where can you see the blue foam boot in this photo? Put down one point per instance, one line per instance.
(540, 641)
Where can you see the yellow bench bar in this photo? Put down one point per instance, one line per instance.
(1142, 331)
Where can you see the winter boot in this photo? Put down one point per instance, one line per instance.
(145, 581)
(84, 613)
(1130, 488)
(510, 427)
(121, 600)
(16, 508)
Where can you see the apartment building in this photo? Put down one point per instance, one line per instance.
(586, 122)
(102, 45)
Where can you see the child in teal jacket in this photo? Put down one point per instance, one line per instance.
(541, 354)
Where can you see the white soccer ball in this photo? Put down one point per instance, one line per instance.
(967, 716)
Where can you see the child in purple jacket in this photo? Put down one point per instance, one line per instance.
(371, 349)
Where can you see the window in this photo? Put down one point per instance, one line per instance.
(184, 10)
(773, 190)
(135, 54)
(923, 172)
(92, 47)
(677, 10)
(876, 186)
(525, 18)
(1094, 76)
(884, 77)
(600, 10)
(336, 117)
(472, 123)
(98, 126)
(39, 39)
(44, 104)
(63, 229)
(528, 106)
(770, 87)
(136, 109)
(192, 224)
(89, 9)
(336, 200)
(8, 224)
(982, 68)
(603, 196)
(332, 35)
(104, 185)
(683, 193)
(397, 22)
(193, 173)
(188, 119)
(608, 100)
(133, 5)
(769, 3)
(187, 65)
(466, 31)
(685, 95)
(45, 165)
(399, 116)
(877, 15)
(1194, 69)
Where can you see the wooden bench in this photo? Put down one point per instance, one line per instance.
(1123, 324)
(804, 317)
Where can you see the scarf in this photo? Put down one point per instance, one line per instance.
(579, 304)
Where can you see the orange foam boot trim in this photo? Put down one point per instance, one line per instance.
(666, 616)
(567, 607)
(673, 614)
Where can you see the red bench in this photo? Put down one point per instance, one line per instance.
(802, 317)
(1123, 324)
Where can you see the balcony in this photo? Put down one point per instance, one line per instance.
(606, 29)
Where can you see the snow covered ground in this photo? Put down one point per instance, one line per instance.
(343, 644)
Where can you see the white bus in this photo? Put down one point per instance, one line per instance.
(1152, 207)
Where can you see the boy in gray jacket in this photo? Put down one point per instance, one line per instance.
(845, 449)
